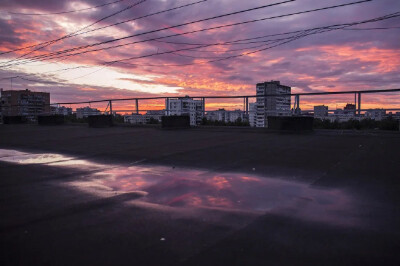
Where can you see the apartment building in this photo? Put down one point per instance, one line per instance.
(225, 116)
(185, 106)
(271, 105)
(86, 111)
(24, 103)
(61, 110)
(320, 111)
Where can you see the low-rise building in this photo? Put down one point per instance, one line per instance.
(376, 114)
(140, 119)
(218, 115)
(344, 115)
(155, 114)
(320, 111)
(86, 111)
(225, 116)
(61, 110)
(137, 119)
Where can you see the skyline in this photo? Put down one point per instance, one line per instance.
(339, 60)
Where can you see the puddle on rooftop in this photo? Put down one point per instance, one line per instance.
(187, 188)
(52, 159)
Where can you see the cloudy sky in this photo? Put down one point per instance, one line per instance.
(141, 60)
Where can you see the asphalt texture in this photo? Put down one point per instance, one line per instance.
(44, 221)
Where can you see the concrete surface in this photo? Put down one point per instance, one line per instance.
(45, 222)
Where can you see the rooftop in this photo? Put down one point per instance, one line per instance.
(206, 196)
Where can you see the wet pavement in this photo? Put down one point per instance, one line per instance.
(188, 188)
(88, 206)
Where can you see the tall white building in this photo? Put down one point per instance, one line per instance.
(271, 105)
(86, 111)
(185, 106)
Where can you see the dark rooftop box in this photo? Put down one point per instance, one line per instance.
(175, 121)
(290, 122)
(50, 120)
(100, 121)
(15, 119)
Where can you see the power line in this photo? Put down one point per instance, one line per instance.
(111, 25)
(381, 28)
(215, 60)
(104, 18)
(179, 25)
(54, 54)
(65, 12)
(306, 31)
(111, 63)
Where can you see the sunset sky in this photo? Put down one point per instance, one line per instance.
(222, 61)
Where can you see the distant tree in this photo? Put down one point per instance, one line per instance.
(118, 118)
(351, 124)
(367, 123)
(317, 123)
(239, 122)
(389, 124)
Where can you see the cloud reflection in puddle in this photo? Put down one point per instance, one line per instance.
(190, 188)
(231, 191)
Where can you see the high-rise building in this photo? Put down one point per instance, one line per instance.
(185, 106)
(271, 105)
(25, 103)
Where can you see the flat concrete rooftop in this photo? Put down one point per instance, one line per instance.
(145, 196)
